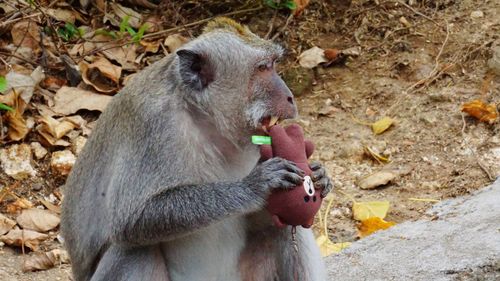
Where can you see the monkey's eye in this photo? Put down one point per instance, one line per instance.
(265, 66)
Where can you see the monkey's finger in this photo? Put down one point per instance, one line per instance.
(315, 165)
(319, 174)
(293, 178)
(327, 189)
(292, 167)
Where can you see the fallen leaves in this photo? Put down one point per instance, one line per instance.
(38, 220)
(42, 261)
(483, 112)
(6, 224)
(315, 56)
(102, 75)
(69, 100)
(376, 179)
(21, 238)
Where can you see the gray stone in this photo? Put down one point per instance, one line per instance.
(460, 242)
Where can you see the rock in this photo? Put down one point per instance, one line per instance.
(476, 14)
(299, 80)
(16, 161)
(37, 186)
(62, 162)
(77, 144)
(38, 150)
(6, 224)
(494, 61)
(377, 179)
(459, 241)
(38, 220)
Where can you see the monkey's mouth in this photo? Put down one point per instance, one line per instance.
(267, 122)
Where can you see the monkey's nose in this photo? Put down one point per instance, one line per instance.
(290, 100)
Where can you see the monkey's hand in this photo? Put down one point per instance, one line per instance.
(274, 173)
(321, 179)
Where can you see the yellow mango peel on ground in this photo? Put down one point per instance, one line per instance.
(382, 125)
(372, 225)
(365, 210)
(327, 247)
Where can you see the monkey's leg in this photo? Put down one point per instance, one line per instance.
(131, 264)
(304, 265)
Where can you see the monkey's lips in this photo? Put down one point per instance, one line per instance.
(268, 122)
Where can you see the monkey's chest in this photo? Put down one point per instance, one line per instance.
(208, 255)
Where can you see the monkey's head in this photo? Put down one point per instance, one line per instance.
(229, 74)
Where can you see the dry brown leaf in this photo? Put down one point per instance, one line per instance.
(47, 260)
(6, 224)
(54, 208)
(174, 42)
(101, 74)
(301, 5)
(376, 179)
(19, 204)
(26, 34)
(69, 100)
(38, 220)
(55, 128)
(60, 14)
(150, 46)
(119, 12)
(28, 238)
(53, 83)
(481, 111)
(371, 225)
(14, 120)
(312, 57)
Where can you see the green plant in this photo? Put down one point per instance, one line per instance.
(3, 87)
(69, 32)
(281, 4)
(124, 28)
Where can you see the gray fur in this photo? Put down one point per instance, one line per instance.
(168, 185)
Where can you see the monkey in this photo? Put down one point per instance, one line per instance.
(169, 186)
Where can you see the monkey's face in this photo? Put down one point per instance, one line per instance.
(233, 79)
(270, 99)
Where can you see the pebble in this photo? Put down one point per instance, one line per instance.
(38, 150)
(16, 161)
(62, 162)
(476, 14)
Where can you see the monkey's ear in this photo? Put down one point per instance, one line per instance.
(195, 69)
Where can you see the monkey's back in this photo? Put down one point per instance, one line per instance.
(107, 164)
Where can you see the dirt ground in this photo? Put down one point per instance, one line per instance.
(435, 150)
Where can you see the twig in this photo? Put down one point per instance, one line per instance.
(166, 31)
(435, 70)
(419, 13)
(11, 54)
(7, 22)
(485, 170)
(290, 17)
(271, 25)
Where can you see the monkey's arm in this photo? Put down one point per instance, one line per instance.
(175, 211)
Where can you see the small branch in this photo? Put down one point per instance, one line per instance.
(166, 31)
(288, 20)
(271, 25)
(419, 13)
